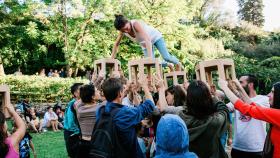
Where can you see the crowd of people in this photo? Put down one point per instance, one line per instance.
(116, 118)
(178, 121)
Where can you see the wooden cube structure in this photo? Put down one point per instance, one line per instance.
(137, 67)
(225, 68)
(5, 99)
(175, 76)
(103, 64)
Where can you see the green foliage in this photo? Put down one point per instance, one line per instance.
(40, 89)
(267, 71)
(251, 11)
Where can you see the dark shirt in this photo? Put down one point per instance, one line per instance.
(126, 120)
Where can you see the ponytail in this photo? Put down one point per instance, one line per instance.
(120, 21)
(3, 135)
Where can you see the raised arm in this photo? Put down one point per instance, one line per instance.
(143, 34)
(144, 84)
(21, 128)
(224, 86)
(162, 103)
(266, 114)
(116, 45)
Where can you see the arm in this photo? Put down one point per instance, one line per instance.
(116, 45)
(144, 84)
(146, 37)
(136, 98)
(229, 141)
(17, 136)
(231, 96)
(242, 92)
(269, 115)
(32, 148)
(131, 116)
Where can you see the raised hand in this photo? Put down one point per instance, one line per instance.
(115, 74)
(159, 81)
(222, 84)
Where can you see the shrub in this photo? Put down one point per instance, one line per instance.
(39, 89)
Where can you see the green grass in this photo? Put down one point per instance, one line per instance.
(49, 145)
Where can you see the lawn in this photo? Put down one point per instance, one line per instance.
(49, 145)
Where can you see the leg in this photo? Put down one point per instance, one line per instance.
(161, 46)
(53, 125)
(32, 127)
(41, 125)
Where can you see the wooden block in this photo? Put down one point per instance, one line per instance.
(103, 64)
(137, 67)
(224, 67)
(175, 75)
(5, 99)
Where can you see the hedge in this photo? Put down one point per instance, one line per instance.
(39, 89)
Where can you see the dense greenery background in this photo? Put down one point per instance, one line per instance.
(72, 34)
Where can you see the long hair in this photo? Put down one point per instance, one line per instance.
(276, 96)
(3, 135)
(180, 95)
(199, 100)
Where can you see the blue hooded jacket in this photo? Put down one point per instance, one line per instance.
(172, 139)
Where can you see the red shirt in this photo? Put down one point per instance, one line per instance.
(269, 115)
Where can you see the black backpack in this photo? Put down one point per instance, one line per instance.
(104, 139)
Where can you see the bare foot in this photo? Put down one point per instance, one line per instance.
(171, 67)
(179, 67)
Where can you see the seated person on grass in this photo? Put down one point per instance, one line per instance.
(50, 119)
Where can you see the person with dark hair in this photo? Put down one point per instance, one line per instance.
(176, 100)
(146, 35)
(86, 114)
(71, 125)
(249, 133)
(124, 119)
(9, 144)
(271, 115)
(176, 96)
(206, 120)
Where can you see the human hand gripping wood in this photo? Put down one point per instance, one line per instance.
(243, 95)
(224, 86)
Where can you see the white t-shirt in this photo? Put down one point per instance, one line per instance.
(47, 117)
(249, 133)
(127, 102)
(153, 33)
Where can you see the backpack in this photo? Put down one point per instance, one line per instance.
(104, 139)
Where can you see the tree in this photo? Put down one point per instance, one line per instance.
(251, 11)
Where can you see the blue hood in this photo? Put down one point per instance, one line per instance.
(172, 139)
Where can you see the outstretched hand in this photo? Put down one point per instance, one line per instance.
(222, 84)
(101, 74)
(115, 74)
(159, 81)
(143, 81)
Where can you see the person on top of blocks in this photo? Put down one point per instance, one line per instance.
(147, 36)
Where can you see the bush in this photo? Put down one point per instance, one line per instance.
(267, 71)
(39, 89)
